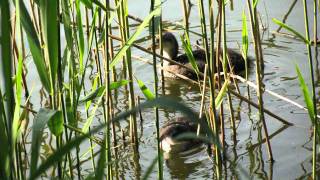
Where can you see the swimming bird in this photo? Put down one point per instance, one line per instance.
(169, 136)
(170, 51)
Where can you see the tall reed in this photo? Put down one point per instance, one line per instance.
(156, 5)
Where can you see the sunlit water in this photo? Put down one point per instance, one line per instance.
(246, 157)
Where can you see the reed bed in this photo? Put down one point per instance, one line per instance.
(82, 53)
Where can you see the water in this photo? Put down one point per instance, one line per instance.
(292, 146)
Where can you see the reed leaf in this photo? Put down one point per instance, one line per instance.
(87, 3)
(49, 14)
(99, 91)
(145, 90)
(291, 30)
(4, 153)
(66, 19)
(88, 122)
(16, 116)
(34, 45)
(55, 124)
(80, 36)
(42, 118)
(188, 49)
(101, 162)
(306, 94)
(245, 41)
(131, 40)
(218, 100)
(150, 168)
(255, 3)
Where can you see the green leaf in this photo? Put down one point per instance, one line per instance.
(145, 90)
(102, 161)
(291, 30)
(306, 94)
(93, 94)
(87, 3)
(218, 100)
(49, 21)
(308, 99)
(34, 45)
(70, 109)
(245, 41)
(55, 124)
(150, 168)
(88, 122)
(60, 153)
(99, 4)
(187, 48)
(80, 36)
(131, 40)
(66, 20)
(99, 91)
(255, 3)
(16, 116)
(42, 118)
(5, 151)
(116, 85)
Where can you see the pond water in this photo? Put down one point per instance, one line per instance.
(291, 145)
(247, 158)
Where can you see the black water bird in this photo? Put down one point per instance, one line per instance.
(171, 135)
(170, 51)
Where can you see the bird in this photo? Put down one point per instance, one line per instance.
(170, 142)
(170, 50)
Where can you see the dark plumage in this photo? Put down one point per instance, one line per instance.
(171, 130)
(170, 49)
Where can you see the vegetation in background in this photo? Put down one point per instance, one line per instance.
(90, 53)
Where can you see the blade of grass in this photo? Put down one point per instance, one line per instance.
(291, 30)
(150, 168)
(131, 40)
(49, 14)
(145, 90)
(42, 118)
(306, 94)
(80, 36)
(34, 44)
(99, 91)
(6, 109)
(188, 49)
(221, 94)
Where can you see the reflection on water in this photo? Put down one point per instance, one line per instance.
(181, 165)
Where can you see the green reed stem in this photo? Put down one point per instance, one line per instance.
(125, 28)
(185, 16)
(6, 64)
(259, 59)
(107, 95)
(315, 126)
(155, 75)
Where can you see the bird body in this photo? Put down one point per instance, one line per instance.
(170, 51)
(169, 135)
